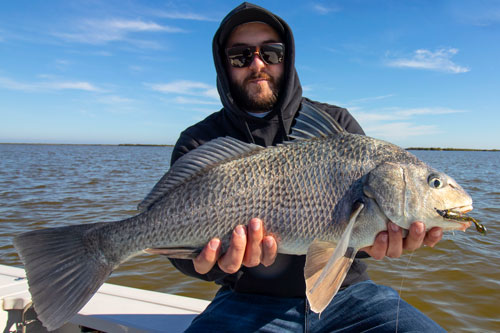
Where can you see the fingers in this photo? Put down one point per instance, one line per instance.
(395, 247)
(253, 253)
(251, 250)
(231, 261)
(433, 236)
(260, 249)
(415, 237)
(206, 260)
(418, 237)
(379, 248)
(391, 243)
(249, 247)
(270, 250)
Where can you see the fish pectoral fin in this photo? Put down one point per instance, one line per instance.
(318, 255)
(176, 253)
(327, 265)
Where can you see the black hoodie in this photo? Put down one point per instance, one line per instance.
(285, 277)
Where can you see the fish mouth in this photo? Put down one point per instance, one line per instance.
(458, 214)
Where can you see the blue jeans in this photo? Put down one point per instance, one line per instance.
(362, 307)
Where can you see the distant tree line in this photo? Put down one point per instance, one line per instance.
(450, 149)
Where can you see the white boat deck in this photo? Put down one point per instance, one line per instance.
(112, 309)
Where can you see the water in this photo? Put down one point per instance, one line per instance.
(457, 283)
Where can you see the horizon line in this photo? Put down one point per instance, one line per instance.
(172, 145)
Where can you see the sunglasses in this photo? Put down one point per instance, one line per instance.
(242, 56)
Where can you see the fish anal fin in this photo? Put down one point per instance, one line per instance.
(175, 253)
(327, 265)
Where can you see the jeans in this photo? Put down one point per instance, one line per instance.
(362, 307)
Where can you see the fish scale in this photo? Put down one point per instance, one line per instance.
(280, 178)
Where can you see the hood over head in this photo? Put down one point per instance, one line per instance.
(279, 120)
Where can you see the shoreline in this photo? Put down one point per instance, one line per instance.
(171, 145)
(451, 149)
(88, 144)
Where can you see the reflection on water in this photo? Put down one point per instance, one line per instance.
(457, 283)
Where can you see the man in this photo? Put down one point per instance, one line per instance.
(259, 88)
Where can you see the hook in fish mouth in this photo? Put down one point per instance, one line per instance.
(458, 214)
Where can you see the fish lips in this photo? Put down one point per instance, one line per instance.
(456, 214)
(456, 210)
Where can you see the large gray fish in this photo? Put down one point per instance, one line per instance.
(325, 194)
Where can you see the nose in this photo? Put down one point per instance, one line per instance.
(257, 62)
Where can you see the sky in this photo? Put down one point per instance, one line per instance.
(415, 73)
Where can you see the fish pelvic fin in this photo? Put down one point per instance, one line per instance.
(327, 265)
(64, 270)
(176, 253)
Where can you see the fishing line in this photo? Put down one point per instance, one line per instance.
(401, 289)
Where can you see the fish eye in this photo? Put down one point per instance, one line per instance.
(435, 181)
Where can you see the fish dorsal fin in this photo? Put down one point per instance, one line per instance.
(196, 161)
(327, 265)
(312, 122)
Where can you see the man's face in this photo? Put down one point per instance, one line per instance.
(256, 86)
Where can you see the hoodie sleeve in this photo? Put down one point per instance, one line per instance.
(186, 266)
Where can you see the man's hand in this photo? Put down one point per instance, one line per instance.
(249, 247)
(391, 242)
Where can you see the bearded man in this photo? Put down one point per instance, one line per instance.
(254, 55)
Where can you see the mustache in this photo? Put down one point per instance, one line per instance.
(259, 76)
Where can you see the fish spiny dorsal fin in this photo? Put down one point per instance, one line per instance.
(313, 122)
(196, 161)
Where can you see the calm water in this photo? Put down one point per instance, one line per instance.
(457, 283)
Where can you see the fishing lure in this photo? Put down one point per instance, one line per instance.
(449, 214)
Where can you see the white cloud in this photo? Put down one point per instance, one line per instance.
(478, 13)
(186, 88)
(185, 16)
(212, 93)
(10, 84)
(188, 92)
(114, 100)
(307, 88)
(136, 68)
(370, 117)
(396, 124)
(323, 10)
(185, 100)
(439, 60)
(425, 111)
(78, 85)
(371, 99)
(399, 130)
(104, 31)
(135, 25)
(397, 114)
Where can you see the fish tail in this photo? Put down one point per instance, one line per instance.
(64, 269)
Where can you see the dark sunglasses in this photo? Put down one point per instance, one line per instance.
(242, 56)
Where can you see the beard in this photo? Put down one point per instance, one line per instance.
(258, 98)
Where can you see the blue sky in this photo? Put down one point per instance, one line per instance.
(415, 73)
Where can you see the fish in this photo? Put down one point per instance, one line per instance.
(325, 194)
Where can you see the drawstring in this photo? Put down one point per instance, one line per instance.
(282, 127)
(248, 133)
